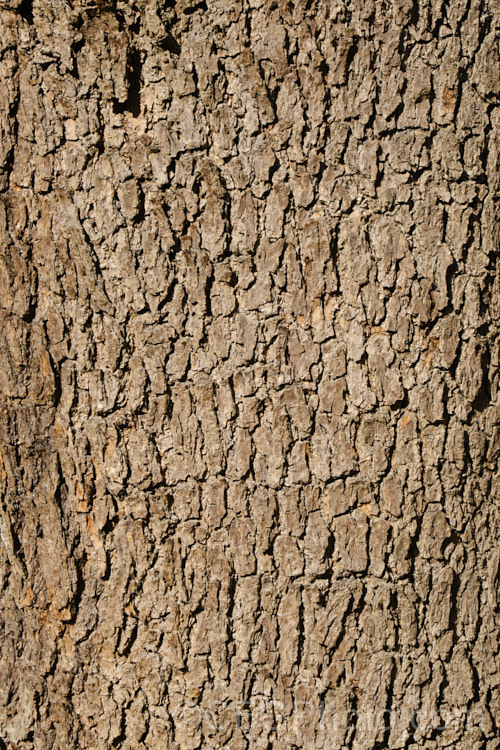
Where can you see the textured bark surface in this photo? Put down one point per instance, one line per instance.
(250, 412)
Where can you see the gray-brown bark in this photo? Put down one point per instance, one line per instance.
(250, 342)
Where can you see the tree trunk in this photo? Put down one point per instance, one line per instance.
(250, 414)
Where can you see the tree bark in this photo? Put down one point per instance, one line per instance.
(250, 414)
